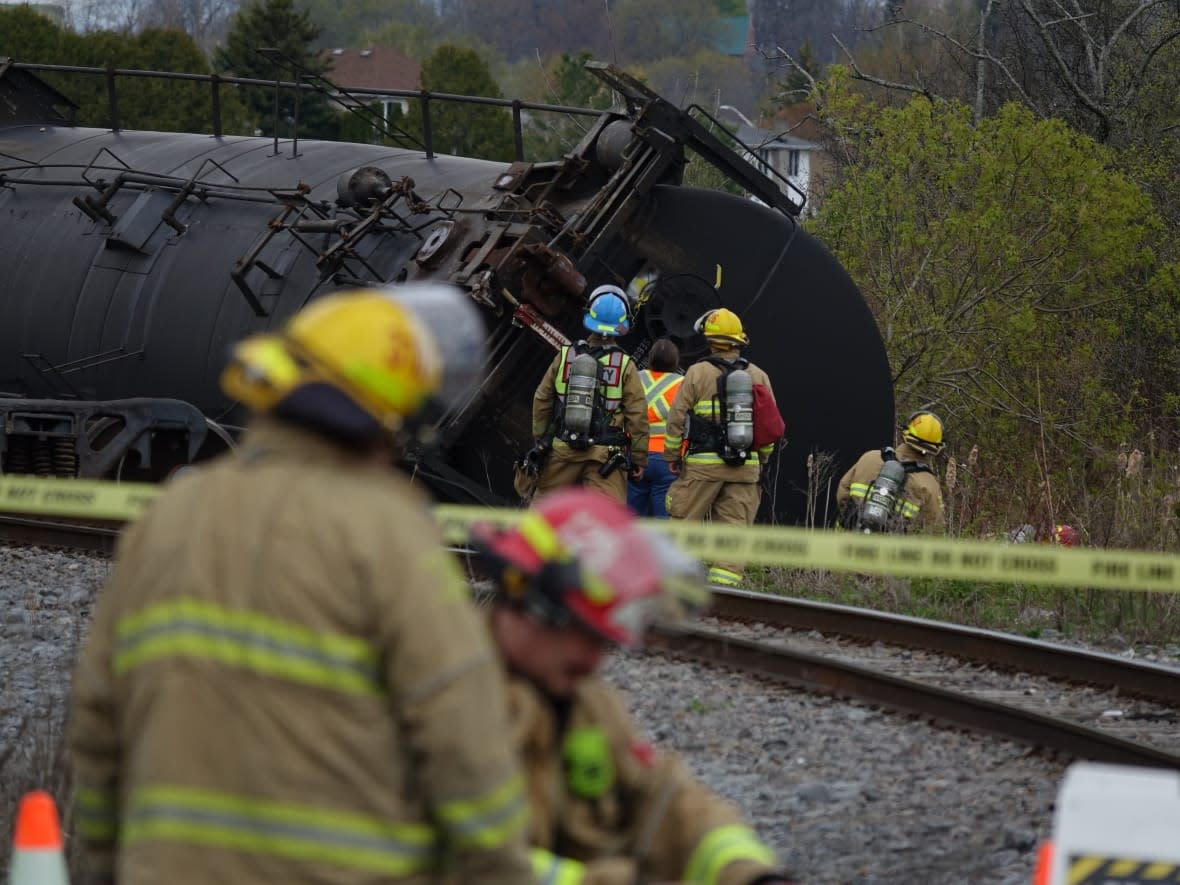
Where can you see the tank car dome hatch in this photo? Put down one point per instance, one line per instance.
(137, 259)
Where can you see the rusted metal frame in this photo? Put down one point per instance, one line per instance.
(763, 183)
(1135, 678)
(215, 99)
(346, 244)
(830, 676)
(309, 80)
(90, 362)
(685, 129)
(621, 199)
(526, 315)
(517, 132)
(143, 419)
(250, 260)
(275, 151)
(112, 101)
(252, 81)
(427, 128)
(50, 370)
(168, 216)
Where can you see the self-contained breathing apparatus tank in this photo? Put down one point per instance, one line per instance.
(581, 390)
(739, 410)
(881, 501)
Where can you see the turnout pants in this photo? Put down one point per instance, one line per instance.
(729, 503)
(567, 467)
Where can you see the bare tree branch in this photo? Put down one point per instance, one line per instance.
(1080, 94)
(980, 54)
(782, 53)
(878, 81)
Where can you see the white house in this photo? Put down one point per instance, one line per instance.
(782, 153)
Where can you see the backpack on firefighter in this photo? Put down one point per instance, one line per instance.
(590, 389)
(880, 510)
(746, 416)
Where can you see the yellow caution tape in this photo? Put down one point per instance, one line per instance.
(76, 498)
(792, 547)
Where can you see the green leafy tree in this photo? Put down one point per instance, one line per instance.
(1002, 262)
(166, 105)
(27, 35)
(463, 129)
(277, 24)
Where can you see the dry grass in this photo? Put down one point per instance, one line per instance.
(1127, 499)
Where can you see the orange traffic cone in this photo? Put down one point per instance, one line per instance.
(37, 857)
(1044, 864)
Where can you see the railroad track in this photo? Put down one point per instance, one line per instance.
(90, 537)
(1041, 694)
(923, 684)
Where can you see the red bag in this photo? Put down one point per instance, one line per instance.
(769, 425)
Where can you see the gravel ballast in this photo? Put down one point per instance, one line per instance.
(845, 793)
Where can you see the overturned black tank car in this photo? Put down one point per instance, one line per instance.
(133, 260)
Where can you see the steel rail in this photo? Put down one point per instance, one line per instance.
(829, 676)
(33, 532)
(999, 650)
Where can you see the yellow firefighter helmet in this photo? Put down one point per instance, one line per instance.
(923, 431)
(722, 325)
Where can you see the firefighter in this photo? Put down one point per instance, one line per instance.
(592, 429)
(661, 380)
(285, 680)
(575, 576)
(711, 484)
(918, 502)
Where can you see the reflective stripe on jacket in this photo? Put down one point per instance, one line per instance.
(659, 389)
(697, 396)
(631, 417)
(553, 870)
(921, 502)
(612, 364)
(285, 681)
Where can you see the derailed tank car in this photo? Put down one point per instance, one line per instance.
(133, 260)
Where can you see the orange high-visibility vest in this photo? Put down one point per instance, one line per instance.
(659, 389)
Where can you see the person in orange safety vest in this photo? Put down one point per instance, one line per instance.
(647, 496)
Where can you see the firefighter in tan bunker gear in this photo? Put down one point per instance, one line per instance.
(285, 680)
(617, 436)
(577, 574)
(920, 503)
(708, 486)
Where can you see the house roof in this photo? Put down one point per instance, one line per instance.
(800, 119)
(773, 139)
(381, 67)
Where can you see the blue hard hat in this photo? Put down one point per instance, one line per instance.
(606, 312)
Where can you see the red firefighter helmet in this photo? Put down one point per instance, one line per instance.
(581, 557)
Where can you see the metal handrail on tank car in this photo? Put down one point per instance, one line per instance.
(216, 80)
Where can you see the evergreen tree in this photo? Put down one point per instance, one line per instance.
(277, 24)
(462, 129)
